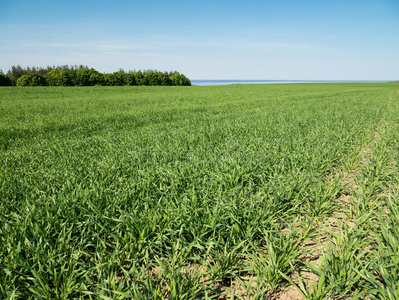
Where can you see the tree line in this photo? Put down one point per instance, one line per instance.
(84, 76)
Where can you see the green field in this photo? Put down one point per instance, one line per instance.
(243, 191)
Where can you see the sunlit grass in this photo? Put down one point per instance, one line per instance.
(168, 192)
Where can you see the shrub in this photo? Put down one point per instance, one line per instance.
(37, 80)
(114, 79)
(24, 80)
(59, 78)
(82, 77)
(150, 78)
(180, 79)
(96, 78)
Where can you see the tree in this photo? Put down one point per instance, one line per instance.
(163, 79)
(82, 77)
(151, 78)
(4, 80)
(129, 79)
(15, 73)
(139, 77)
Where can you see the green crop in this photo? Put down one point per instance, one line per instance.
(169, 192)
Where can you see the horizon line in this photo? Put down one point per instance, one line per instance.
(353, 80)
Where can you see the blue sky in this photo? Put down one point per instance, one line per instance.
(276, 40)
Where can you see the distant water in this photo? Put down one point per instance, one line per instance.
(227, 82)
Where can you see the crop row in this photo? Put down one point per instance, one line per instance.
(185, 192)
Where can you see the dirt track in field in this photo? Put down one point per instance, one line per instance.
(321, 244)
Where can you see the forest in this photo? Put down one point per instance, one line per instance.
(84, 76)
